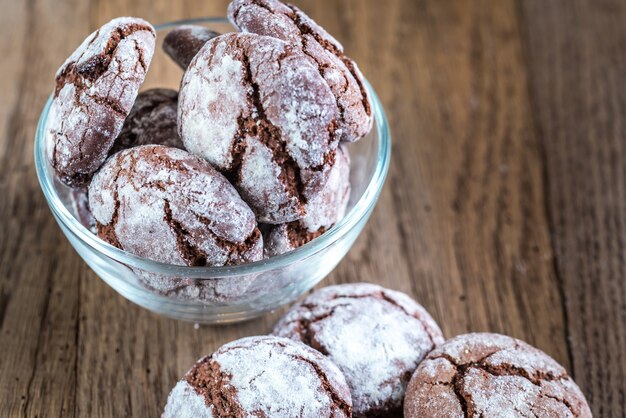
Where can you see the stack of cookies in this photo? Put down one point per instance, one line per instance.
(365, 351)
(248, 160)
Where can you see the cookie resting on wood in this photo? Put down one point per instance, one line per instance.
(492, 375)
(376, 337)
(264, 377)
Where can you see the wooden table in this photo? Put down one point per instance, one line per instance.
(504, 209)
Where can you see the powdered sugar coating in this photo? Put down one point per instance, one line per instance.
(322, 212)
(209, 100)
(290, 24)
(278, 240)
(184, 402)
(260, 178)
(280, 377)
(96, 88)
(183, 42)
(219, 290)
(167, 205)
(266, 376)
(257, 108)
(376, 336)
(492, 375)
(328, 207)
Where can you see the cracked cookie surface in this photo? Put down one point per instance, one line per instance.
(167, 205)
(259, 111)
(264, 377)
(290, 24)
(491, 375)
(95, 90)
(322, 212)
(376, 337)
(183, 43)
(152, 120)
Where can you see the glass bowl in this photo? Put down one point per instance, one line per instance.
(232, 293)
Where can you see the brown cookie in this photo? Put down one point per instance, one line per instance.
(263, 377)
(280, 239)
(290, 24)
(207, 291)
(376, 337)
(322, 213)
(183, 42)
(492, 375)
(95, 89)
(258, 110)
(152, 120)
(167, 205)
(79, 203)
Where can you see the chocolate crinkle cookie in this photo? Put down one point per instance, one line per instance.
(95, 89)
(208, 291)
(323, 212)
(79, 204)
(167, 205)
(258, 110)
(261, 377)
(152, 120)
(376, 337)
(183, 42)
(290, 24)
(492, 375)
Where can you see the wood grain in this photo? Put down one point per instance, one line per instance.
(39, 277)
(577, 57)
(503, 210)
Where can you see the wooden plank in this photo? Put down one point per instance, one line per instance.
(461, 224)
(465, 204)
(577, 55)
(38, 270)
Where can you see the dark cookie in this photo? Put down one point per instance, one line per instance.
(376, 337)
(208, 291)
(491, 375)
(280, 239)
(167, 205)
(80, 207)
(290, 24)
(183, 42)
(322, 213)
(95, 89)
(258, 110)
(263, 377)
(152, 120)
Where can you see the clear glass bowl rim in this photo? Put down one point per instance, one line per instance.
(352, 218)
